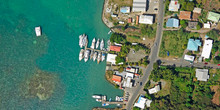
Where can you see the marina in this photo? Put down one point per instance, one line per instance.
(103, 99)
(93, 52)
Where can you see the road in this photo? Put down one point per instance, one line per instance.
(153, 57)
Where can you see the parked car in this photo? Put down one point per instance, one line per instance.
(205, 63)
(218, 64)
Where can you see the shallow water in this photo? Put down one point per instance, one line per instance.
(56, 52)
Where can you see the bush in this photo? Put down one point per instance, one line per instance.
(135, 37)
(119, 59)
(217, 60)
(116, 86)
(183, 23)
(118, 38)
(121, 69)
(148, 30)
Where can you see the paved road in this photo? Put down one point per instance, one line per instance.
(153, 57)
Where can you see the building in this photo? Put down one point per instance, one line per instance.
(116, 79)
(213, 16)
(202, 74)
(141, 102)
(129, 20)
(111, 58)
(192, 24)
(146, 19)
(139, 5)
(193, 45)
(186, 15)
(130, 75)
(154, 90)
(127, 82)
(125, 9)
(115, 48)
(207, 25)
(174, 5)
(172, 22)
(207, 47)
(195, 16)
(137, 20)
(197, 10)
(189, 58)
(131, 69)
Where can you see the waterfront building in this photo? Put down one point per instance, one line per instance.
(213, 16)
(146, 19)
(172, 22)
(207, 47)
(202, 74)
(111, 58)
(139, 5)
(116, 79)
(193, 45)
(174, 5)
(115, 48)
(154, 90)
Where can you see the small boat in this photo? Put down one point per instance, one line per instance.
(110, 32)
(105, 104)
(103, 56)
(95, 56)
(81, 54)
(86, 53)
(97, 44)
(91, 54)
(81, 40)
(102, 45)
(93, 43)
(96, 96)
(38, 31)
(98, 100)
(119, 99)
(99, 57)
(104, 98)
(85, 40)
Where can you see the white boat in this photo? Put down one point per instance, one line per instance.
(99, 58)
(110, 32)
(96, 97)
(81, 54)
(81, 40)
(93, 44)
(97, 44)
(98, 100)
(119, 99)
(85, 40)
(38, 31)
(102, 45)
(91, 54)
(104, 98)
(86, 53)
(105, 104)
(103, 56)
(95, 56)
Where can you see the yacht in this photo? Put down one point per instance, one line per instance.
(97, 44)
(102, 45)
(81, 40)
(86, 53)
(95, 56)
(99, 57)
(93, 44)
(99, 100)
(91, 54)
(38, 31)
(81, 54)
(96, 97)
(103, 56)
(85, 40)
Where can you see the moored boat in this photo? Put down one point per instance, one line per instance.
(105, 104)
(99, 100)
(102, 45)
(38, 31)
(96, 96)
(81, 40)
(95, 56)
(103, 56)
(97, 44)
(93, 43)
(91, 54)
(85, 40)
(86, 53)
(81, 54)
(99, 58)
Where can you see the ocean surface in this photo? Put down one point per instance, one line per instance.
(55, 52)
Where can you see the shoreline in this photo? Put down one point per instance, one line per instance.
(105, 20)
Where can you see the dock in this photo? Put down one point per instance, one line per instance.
(86, 48)
(113, 102)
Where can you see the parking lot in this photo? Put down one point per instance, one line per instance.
(152, 6)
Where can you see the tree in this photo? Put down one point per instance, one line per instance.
(118, 38)
(217, 60)
(119, 59)
(183, 23)
(189, 6)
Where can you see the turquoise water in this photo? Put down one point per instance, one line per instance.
(55, 52)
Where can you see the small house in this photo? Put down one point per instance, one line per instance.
(174, 5)
(197, 10)
(193, 45)
(115, 48)
(213, 16)
(185, 15)
(141, 102)
(207, 47)
(146, 19)
(189, 58)
(207, 25)
(116, 79)
(202, 74)
(154, 90)
(172, 22)
(192, 24)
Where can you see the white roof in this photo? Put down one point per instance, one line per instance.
(197, 10)
(202, 74)
(131, 75)
(207, 47)
(189, 57)
(111, 58)
(140, 103)
(146, 19)
(154, 90)
(127, 82)
(174, 5)
(148, 102)
(139, 5)
(130, 69)
(207, 25)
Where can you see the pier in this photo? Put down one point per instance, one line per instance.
(86, 48)
(113, 102)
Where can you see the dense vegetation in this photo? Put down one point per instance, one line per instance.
(185, 92)
(118, 38)
(214, 34)
(148, 30)
(175, 42)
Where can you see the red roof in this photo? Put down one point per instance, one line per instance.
(115, 48)
(116, 78)
(185, 15)
(129, 20)
(137, 19)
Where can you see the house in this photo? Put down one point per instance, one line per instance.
(127, 82)
(129, 20)
(139, 5)
(137, 20)
(115, 48)
(146, 19)
(207, 25)
(111, 58)
(197, 10)
(131, 69)
(186, 15)
(174, 5)
(172, 22)
(213, 16)
(207, 47)
(129, 75)
(116, 79)
(193, 45)
(202, 74)
(125, 9)
(195, 16)
(154, 90)
(189, 58)
(141, 102)
(192, 24)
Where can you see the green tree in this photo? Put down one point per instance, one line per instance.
(119, 59)
(217, 60)
(189, 6)
(183, 23)
(118, 38)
